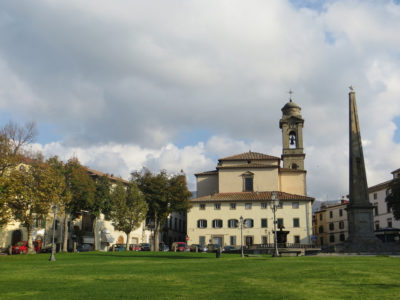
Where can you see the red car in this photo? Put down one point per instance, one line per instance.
(22, 247)
(179, 246)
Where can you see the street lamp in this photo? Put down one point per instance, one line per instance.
(54, 209)
(241, 235)
(274, 207)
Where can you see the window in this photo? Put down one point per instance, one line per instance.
(233, 205)
(341, 225)
(201, 223)
(202, 240)
(376, 225)
(388, 191)
(176, 224)
(202, 206)
(180, 225)
(217, 206)
(248, 223)
(331, 226)
(280, 223)
(342, 237)
(332, 238)
(321, 229)
(376, 212)
(375, 196)
(247, 205)
(264, 205)
(331, 214)
(321, 241)
(388, 208)
(233, 223)
(264, 223)
(341, 212)
(264, 239)
(389, 223)
(280, 205)
(295, 204)
(248, 184)
(320, 217)
(217, 223)
(170, 223)
(296, 222)
(233, 240)
(297, 239)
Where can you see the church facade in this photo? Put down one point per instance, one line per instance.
(237, 194)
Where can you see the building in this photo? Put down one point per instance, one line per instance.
(242, 185)
(330, 225)
(387, 228)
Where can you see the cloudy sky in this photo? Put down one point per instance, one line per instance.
(178, 84)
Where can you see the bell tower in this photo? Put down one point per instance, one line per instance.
(292, 136)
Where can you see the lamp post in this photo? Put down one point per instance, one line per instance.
(54, 208)
(241, 235)
(274, 206)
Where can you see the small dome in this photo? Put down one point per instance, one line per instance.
(291, 109)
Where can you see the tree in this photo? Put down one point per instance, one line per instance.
(12, 140)
(393, 197)
(102, 202)
(129, 208)
(30, 192)
(81, 186)
(164, 194)
(65, 196)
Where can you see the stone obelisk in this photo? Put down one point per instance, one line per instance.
(359, 211)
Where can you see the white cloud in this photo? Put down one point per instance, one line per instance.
(121, 81)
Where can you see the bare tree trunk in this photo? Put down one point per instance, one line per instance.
(65, 242)
(128, 234)
(155, 237)
(31, 248)
(95, 233)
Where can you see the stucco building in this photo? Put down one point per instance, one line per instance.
(242, 185)
(330, 225)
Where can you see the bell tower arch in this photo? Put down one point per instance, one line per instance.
(292, 124)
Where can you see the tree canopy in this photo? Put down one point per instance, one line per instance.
(164, 194)
(393, 197)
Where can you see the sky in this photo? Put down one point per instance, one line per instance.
(176, 85)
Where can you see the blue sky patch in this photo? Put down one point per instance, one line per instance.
(192, 137)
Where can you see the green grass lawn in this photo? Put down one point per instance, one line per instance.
(148, 275)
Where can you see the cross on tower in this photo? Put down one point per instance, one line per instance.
(290, 95)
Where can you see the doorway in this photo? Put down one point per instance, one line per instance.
(16, 237)
(249, 240)
(217, 240)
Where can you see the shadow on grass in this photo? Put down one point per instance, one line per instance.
(145, 256)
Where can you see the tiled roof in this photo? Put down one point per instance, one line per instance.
(250, 165)
(213, 172)
(250, 156)
(250, 196)
(111, 177)
(380, 186)
(395, 171)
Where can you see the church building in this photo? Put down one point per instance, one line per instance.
(238, 192)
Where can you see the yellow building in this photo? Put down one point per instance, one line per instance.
(242, 185)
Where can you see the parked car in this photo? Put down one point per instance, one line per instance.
(134, 247)
(230, 249)
(200, 248)
(145, 247)
(120, 247)
(163, 247)
(22, 247)
(179, 246)
(84, 248)
(213, 248)
(46, 248)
